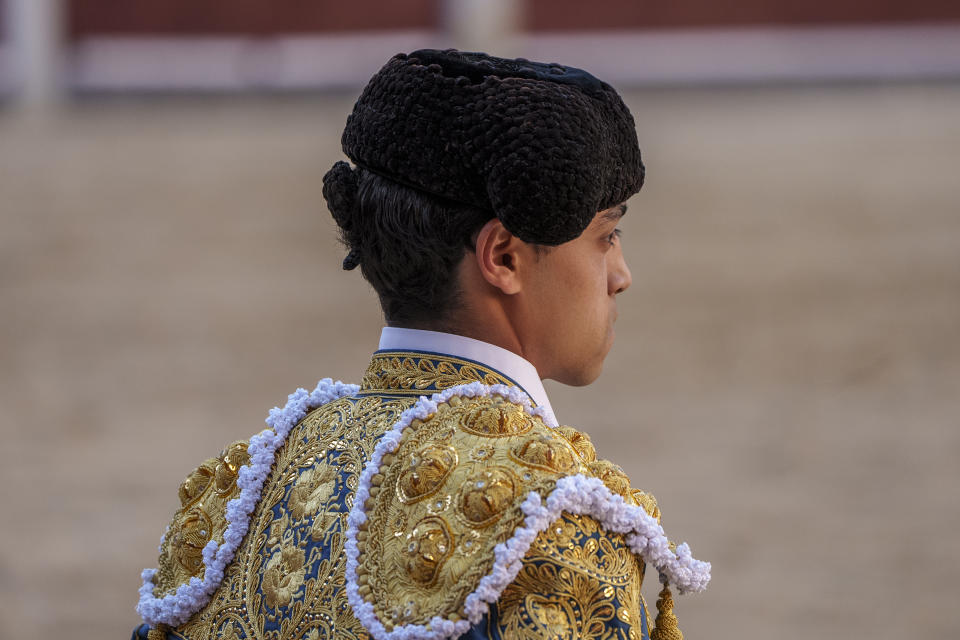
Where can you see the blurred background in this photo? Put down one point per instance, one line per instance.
(786, 378)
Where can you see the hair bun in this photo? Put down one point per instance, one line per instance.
(340, 187)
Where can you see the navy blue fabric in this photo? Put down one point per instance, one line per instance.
(140, 633)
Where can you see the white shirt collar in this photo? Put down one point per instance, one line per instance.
(506, 362)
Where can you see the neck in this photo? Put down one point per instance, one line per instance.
(485, 322)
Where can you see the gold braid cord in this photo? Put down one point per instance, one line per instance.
(666, 627)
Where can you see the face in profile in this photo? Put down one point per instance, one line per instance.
(570, 306)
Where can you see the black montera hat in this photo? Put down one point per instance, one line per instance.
(543, 147)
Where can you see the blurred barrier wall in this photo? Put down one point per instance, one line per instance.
(31, 51)
(263, 45)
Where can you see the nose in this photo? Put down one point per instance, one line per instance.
(618, 278)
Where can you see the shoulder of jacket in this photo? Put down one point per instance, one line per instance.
(611, 474)
(200, 518)
(216, 502)
(451, 501)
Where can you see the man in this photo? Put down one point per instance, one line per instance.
(439, 498)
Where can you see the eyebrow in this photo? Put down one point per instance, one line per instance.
(615, 213)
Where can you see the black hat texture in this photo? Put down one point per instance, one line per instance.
(543, 147)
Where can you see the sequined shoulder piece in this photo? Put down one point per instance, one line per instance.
(204, 495)
(445, 497)
(454, 496)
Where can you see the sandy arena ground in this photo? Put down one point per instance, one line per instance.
(786, 377)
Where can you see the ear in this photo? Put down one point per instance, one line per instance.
(500, 255)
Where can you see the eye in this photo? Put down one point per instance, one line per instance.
(612, 238)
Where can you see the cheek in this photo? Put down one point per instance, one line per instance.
(593, 307)
(573, 294)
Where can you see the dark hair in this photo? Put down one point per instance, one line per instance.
(407, 243)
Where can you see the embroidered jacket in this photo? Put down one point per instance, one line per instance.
(387, 516)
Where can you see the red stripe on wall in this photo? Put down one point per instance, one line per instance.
(551, 15)
(245, 17)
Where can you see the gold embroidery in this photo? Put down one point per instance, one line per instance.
(157, 633)
(425, 472)
(496, 421)
(465, 450)
(429, 545)
(580, 441)
(400, 372)
(287, 578)
(554, 618)
(286, 581)
(201, 518)
(283, 576)
(577, 580)
(647, 501)
(230, 632)
(547, 452)
(486, 495)
(612, 475)
(313, 489)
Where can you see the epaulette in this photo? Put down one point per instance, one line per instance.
(454, 496)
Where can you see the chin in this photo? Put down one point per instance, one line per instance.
(579, 377)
